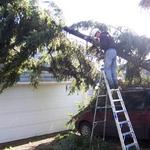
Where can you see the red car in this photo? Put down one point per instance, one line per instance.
(137, 102)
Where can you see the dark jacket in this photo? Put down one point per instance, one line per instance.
(106, 41)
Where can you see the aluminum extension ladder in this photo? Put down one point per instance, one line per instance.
(125, 130)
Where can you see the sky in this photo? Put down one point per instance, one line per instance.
(111, 12)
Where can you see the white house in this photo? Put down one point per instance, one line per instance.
(27, 112)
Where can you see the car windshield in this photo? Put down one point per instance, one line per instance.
(137, 100)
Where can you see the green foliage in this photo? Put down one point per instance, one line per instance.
(86, 25)
(72, 141)
(136, 49)
(24, 31)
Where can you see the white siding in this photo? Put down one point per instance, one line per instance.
(27, 112)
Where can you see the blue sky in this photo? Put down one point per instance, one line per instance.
(112, 12)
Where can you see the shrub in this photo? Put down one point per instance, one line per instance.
(73, 141)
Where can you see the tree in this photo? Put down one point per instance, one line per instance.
(24, 31)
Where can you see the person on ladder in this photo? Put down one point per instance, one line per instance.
(110, 55)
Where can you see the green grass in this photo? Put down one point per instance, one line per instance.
(72, 141)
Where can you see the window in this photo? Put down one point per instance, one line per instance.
(134, 100)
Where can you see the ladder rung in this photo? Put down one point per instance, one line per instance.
(127, 133)
(123, 122)
(117, 100)
(112, 90)
(101, 96)
(130, 145)
(99, 107)
(119, 111)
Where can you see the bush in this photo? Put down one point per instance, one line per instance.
(72, 141)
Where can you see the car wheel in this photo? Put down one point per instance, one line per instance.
(85, 129)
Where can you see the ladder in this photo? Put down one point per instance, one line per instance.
(125, 130)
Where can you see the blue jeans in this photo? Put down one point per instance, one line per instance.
(110, 67)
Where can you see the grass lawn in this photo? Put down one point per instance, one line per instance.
(71, 141)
